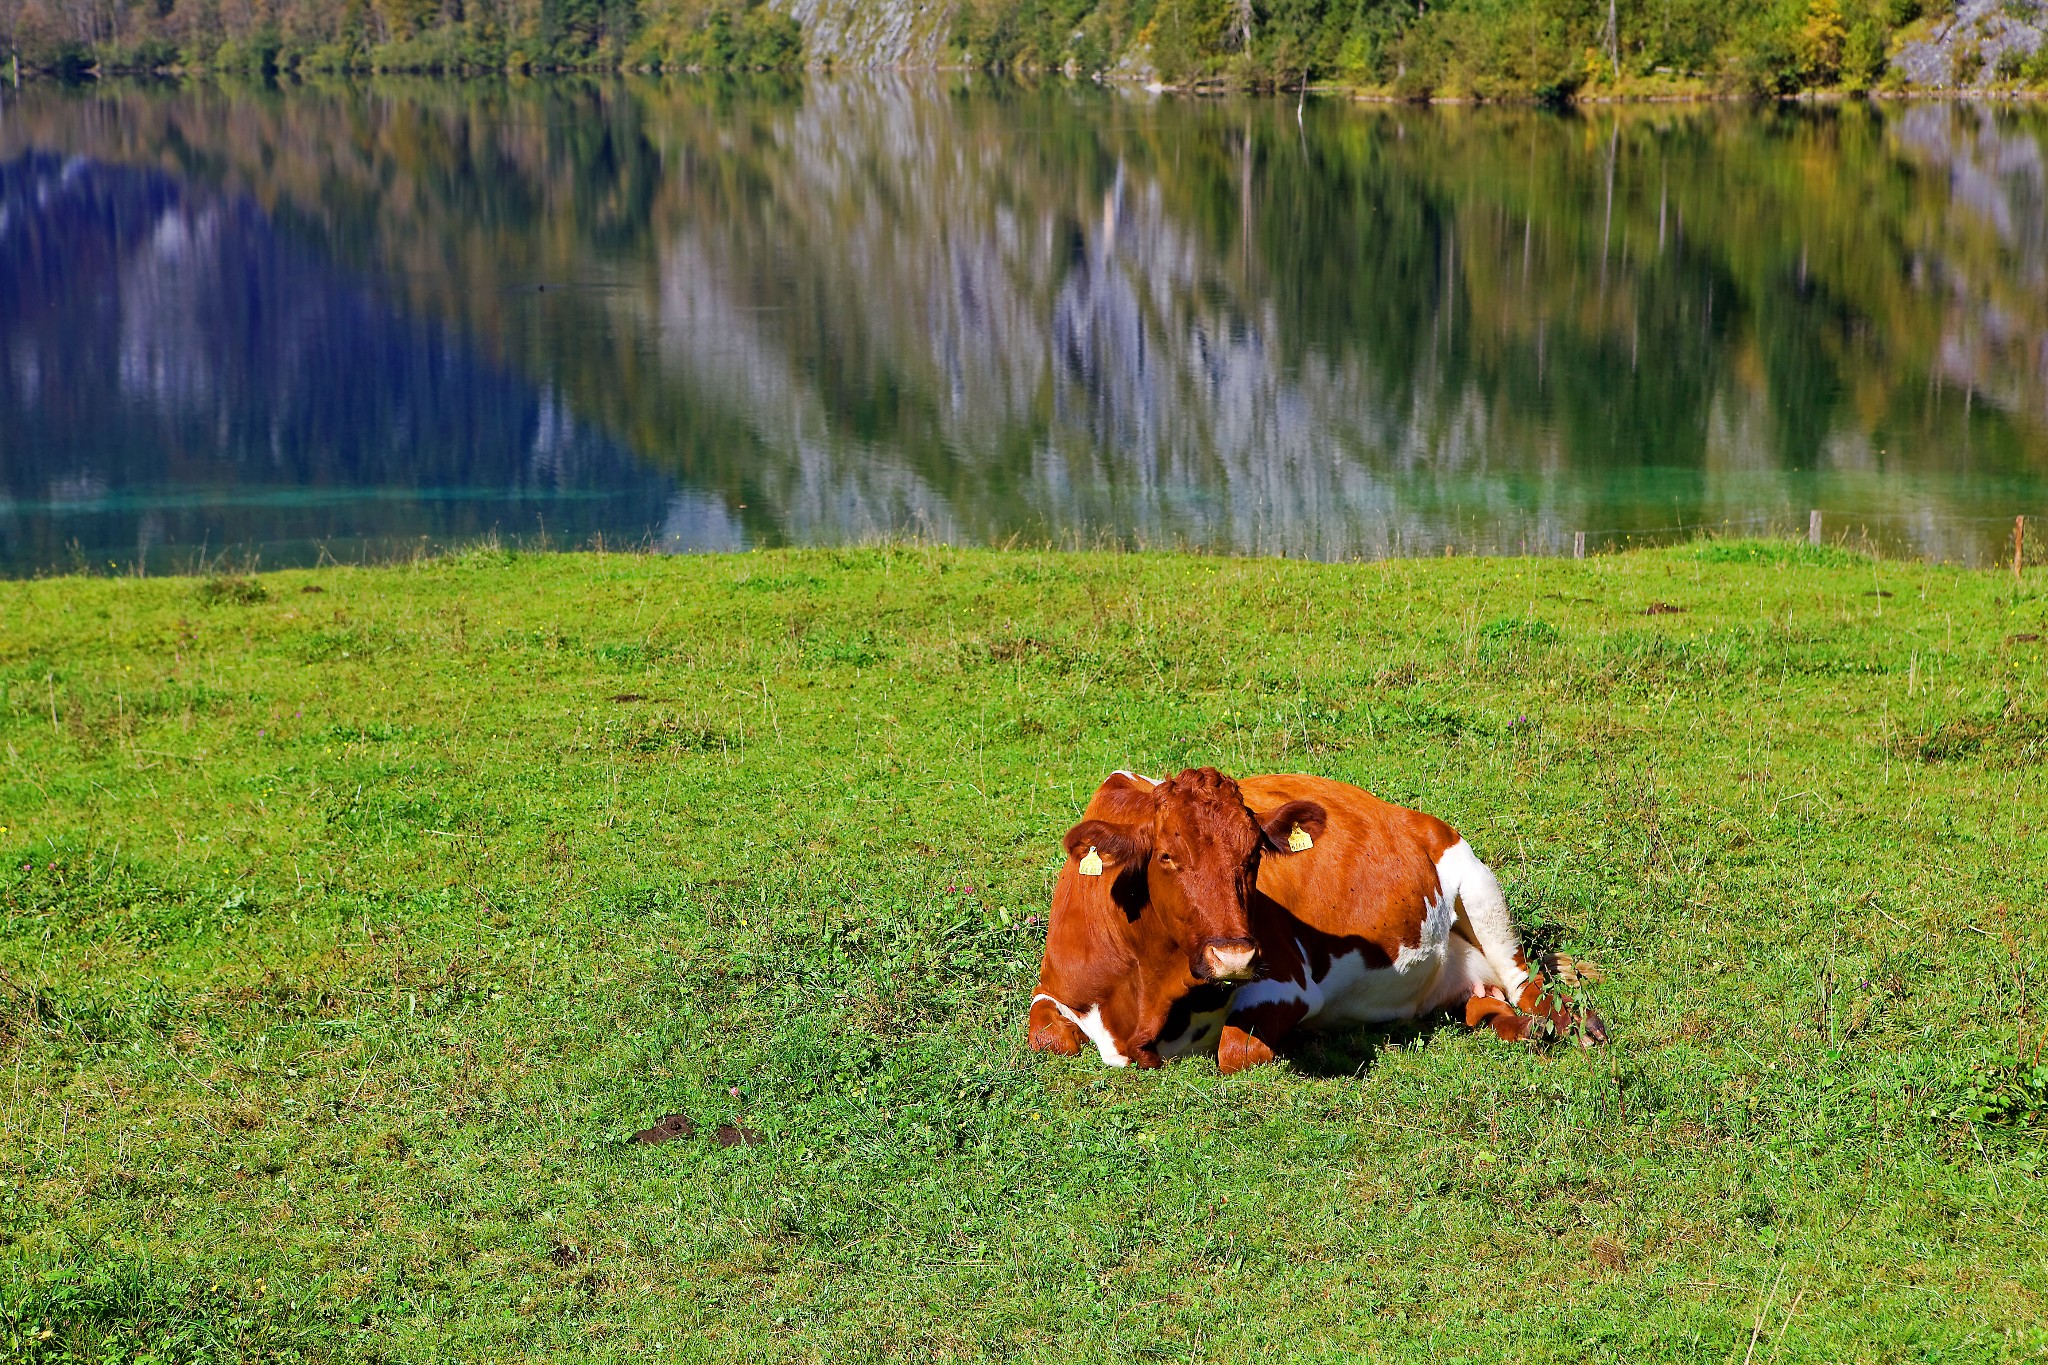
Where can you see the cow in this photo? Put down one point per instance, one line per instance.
(1200, 913)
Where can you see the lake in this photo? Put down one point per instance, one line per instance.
(339, 321)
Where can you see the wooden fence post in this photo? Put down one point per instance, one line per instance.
(1578, 545)
(1813, 527)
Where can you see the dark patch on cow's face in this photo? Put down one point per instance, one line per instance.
(671, 1127)
(1123, 840)
(733, 1135)
(1130, 891)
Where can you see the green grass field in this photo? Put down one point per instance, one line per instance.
(351, 920)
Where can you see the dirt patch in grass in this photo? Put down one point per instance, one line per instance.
(667, 1129)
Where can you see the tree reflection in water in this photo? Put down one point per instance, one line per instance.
(722, 315)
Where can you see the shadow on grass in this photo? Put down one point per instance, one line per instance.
(1352, 1051)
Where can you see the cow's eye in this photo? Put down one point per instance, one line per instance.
(1166, 860)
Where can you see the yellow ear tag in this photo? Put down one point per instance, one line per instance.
(1091, 866)
(1299, 840)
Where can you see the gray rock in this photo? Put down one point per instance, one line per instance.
(1964, 51)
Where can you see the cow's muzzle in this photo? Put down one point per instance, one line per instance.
(1229, 959)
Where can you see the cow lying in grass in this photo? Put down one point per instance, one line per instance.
(1203, 913)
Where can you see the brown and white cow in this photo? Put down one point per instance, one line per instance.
(1201, 913)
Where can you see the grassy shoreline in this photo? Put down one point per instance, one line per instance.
(350, 919)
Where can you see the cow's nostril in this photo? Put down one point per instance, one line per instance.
(1229, 959)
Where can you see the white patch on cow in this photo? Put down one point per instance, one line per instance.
(1466, 974)
(1202, 1032)
(1138, 777)
(1482, 912)
(1091, 1024)
(1350, 991)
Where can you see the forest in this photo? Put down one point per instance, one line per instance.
(1537, 50)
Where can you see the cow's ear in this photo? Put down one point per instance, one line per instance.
(1124, 799)
(1279, 827)
(1125, 845)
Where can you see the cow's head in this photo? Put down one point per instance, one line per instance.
(1194, 848)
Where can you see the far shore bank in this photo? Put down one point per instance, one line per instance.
(1703, 94)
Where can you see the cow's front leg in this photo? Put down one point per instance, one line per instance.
(1250, 1033)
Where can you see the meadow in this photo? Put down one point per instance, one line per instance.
(353, 920)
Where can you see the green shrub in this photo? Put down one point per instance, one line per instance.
(722, 35)
(333, 58)
(255, 55)
(1190, 38)
(1821, 42)
(68, 61)
(146, 54)
(447, 49)
(1763, 63)
(1863, 53)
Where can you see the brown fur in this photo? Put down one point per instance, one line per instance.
(1180, 861)
(1129, 941)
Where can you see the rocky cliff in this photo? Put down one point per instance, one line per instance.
(872, 33)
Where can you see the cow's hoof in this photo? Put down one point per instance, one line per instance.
(1239, 1050)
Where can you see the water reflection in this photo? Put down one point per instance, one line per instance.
(176, 377)
(721, 317)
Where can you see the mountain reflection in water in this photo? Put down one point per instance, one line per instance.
(708, 316)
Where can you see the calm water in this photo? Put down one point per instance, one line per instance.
(340, 320)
